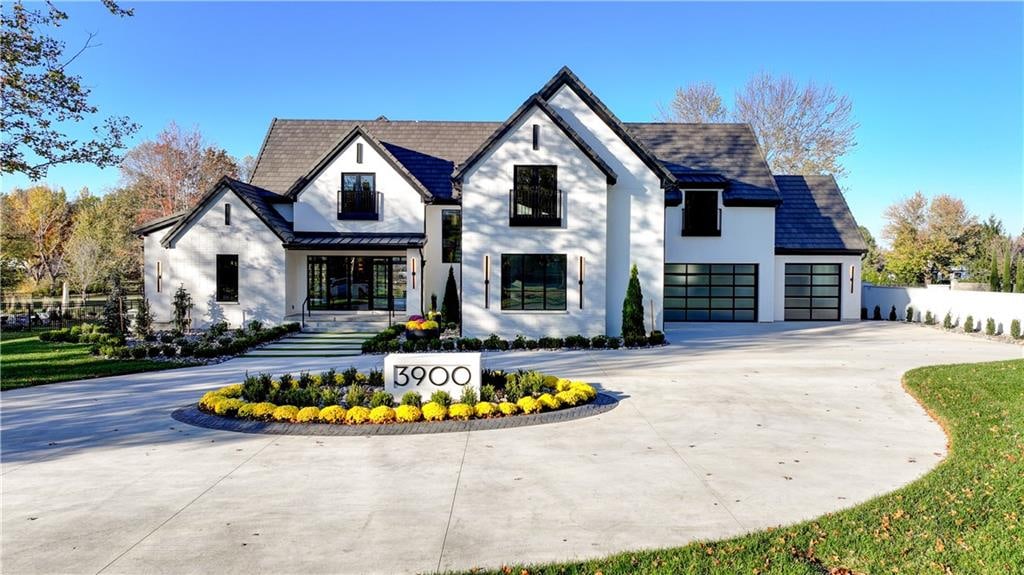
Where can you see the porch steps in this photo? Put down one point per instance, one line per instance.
(315, 344)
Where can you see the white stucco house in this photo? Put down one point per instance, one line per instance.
(539, 217)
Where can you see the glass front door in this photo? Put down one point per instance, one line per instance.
(355, 283)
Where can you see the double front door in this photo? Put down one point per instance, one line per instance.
(356, 282)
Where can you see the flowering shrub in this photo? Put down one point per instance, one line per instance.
(421, 323)
(209, 401)
(460, 411)
(285, 413)
(508, 408)
(357, 415)
(382, 414)
(307, 414)
(434, 411)
(228, 406)
(549, 402)
(407, 413)
(485, 409)
(332, 414)
(563, 384)
(570, 397)
(263, 410)
(528, 404)
(246, 410)
(232, 391)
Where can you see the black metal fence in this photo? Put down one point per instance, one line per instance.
(23, 312)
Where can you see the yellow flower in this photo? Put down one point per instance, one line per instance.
(429, 325)
(507, 408)
(549, 402)
(563, 384)
(486, 409)
(528, 405)
(263, 410)
(357, 415)
(588, 391)
(332, 414)
(460, 411)
(382, 414)
(408, 413)
(307, 414)
(568, 397)
(246, 410)
(285, 413)
(209, 401)
(433, 411)
(228, 406)
(233, 390)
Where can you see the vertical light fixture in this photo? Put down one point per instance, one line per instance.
(413, 273)
(159, 276)
(487, 282)
(852, 270)
(583, 266)
(359, 153)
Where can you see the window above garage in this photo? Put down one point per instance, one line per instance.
(701, 214)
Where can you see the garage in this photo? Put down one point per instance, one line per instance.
(710, 292)
(812, 292)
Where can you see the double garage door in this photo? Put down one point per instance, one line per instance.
(812, 292)
(710, 292)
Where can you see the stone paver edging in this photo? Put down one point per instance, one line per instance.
(193, 416)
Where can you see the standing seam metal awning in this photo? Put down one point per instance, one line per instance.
(368, 241)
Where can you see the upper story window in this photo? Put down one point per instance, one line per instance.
(227, 214)
(701, 214)
(451, 236)
(227, 277)
(535, 199)
(357, 199)
(533, 282)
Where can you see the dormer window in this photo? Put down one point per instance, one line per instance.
(357, 199)
(701, 214)
(535, 200)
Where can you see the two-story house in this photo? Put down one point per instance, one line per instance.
(539, 217)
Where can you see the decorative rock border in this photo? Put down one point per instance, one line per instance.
(192, 416)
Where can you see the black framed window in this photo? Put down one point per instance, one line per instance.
(535, 199)
(710, 292)
(451, 236)
(227, 214)
(227, 277)
(701, 214)
(357, 199)
(533, 281)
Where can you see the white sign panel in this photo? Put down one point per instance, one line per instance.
(430, 372)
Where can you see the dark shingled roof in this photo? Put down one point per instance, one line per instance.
(729, 150)
(431, 150)
(260, 201)
(814, 217)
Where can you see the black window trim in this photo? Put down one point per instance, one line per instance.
(696, 232)
(522, 289)
(523, 220)
(457, 250)
(358, 215)
(219, 295)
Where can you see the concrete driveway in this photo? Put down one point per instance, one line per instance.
(730, 429)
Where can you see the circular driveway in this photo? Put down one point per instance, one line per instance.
(732, 428)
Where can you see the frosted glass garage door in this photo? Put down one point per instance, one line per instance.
(710, 292)
(812, 292)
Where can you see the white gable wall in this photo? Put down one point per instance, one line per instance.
(316, 209)
(192, 262)
(636, 204)
(486, 232)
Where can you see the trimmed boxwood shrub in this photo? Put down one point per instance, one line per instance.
(969, 324)
(1015, 329)
(656, 338)
(892, 314)
(990, 326)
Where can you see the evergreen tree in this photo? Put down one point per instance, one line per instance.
(1008, 270)
(182, 306)
(143, 319)
(1018, 286)
(115, 307)
(633, 309)
(450, 311)
(993, 273)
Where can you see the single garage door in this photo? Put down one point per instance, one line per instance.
(812, 292)
(710, 292)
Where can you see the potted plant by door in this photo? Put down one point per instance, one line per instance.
(419, 328)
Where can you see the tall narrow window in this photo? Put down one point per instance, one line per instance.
(227, 278)
(451, 236)
(227, 214)
(536, 136)
(533, 281)
(535, 200)
(359, 153)
(357, 199)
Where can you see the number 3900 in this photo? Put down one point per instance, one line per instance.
(437, 375)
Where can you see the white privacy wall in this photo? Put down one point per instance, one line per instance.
(636, 206)
(748, 237)
(316, 209)
(1002, 307)
(486, 232)
(192, 262)
(849, 296)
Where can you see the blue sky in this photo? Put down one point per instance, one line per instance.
(936, 87)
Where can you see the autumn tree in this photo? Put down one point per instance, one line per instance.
(35, 225)
(801, 129)
(86, 252)
(42, 98)
(172, 171)
(873, 261)
(909, 257)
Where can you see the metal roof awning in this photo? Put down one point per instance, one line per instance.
(355, 241)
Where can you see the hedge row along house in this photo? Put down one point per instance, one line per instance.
(539, 217)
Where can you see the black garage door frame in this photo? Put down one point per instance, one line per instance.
(711, 292)
(808, 291)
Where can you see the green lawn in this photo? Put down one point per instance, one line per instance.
(966, 516)
(26, 361)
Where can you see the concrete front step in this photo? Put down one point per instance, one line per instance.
(315, 344)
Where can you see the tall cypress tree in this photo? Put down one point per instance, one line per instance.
(633, 309)
(1008, 269)
(993, 272)
(114, 309)
(1018, 286)
(450, 311)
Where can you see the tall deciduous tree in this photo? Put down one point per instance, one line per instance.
(36, 222)
(173, 170)
(801, 129)
(41, 98)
